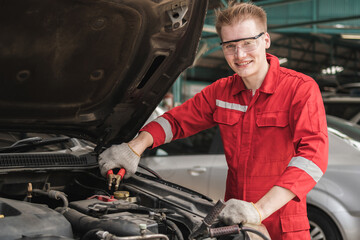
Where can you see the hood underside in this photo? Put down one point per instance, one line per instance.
(92, 69)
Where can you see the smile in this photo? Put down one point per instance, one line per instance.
(243, 63)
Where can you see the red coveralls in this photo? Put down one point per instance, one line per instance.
(276, 137)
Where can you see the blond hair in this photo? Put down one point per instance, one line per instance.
(238, 12)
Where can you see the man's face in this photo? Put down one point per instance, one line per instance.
(252, 64)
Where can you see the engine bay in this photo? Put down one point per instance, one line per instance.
(49, 204)
(76, 205)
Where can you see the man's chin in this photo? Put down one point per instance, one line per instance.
(243, 73)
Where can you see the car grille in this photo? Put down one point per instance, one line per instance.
(36, 160)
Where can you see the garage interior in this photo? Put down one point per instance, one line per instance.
(320, 38)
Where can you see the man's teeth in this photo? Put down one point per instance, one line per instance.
(244, 63)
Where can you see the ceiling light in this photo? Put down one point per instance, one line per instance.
(351, 36)
(209, 28)
(339, 26)
(332, 70)
(282, 60)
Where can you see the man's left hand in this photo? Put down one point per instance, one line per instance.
(238, 211)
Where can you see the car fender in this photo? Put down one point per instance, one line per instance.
(346, 223)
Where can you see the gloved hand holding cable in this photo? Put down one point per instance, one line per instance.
(238, 211)
(119, 156)
(125, 155)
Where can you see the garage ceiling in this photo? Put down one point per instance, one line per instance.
(307, 36)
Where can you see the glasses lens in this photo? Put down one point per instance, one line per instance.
(247, 45)
(229, 48)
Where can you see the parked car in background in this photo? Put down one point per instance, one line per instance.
(356, 119)
(198, 162)
(343, 106)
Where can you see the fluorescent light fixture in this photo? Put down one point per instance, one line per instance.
(332, 70)
(339, 26)
(283, 60)
(209, 28)
(351, 36)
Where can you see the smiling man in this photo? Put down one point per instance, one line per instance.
(272, 124)
(244, 45)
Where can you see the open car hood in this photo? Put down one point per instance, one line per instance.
(92, 69)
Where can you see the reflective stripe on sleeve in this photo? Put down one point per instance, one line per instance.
(233, 106)
(166, 127)
(308, 166)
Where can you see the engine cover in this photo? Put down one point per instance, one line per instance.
(22, 220)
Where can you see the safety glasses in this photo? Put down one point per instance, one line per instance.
(245, 44)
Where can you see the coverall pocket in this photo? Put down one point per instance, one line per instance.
(294, 223)
(226, 117)
(272, 119)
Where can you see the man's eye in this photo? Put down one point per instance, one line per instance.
(248, 42)
(230, 46)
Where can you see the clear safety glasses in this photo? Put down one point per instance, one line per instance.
(245, 44)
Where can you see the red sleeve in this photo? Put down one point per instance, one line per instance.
(194, 115)
(310, 139)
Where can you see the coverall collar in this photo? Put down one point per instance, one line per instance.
(270, 82)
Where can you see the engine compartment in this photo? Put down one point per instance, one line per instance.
(68, 202)
(76, 205)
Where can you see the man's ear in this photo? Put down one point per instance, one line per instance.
(267, 40)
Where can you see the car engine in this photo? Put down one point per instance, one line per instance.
(75, 205)
(53, 204)
(60, 194)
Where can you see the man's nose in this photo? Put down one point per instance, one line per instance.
(239, 52)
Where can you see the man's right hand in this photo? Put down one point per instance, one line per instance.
(119, 156)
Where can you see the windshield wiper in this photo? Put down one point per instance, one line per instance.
(32, 142)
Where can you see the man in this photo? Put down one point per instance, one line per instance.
(272, 124)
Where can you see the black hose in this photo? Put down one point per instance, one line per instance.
(178, 233)
(150, 171)
(83, 223)
(255, 232)
(91, 235)
(91, 188)
(54, 195)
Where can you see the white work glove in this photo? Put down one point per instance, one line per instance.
(238, 211)
(119, 156)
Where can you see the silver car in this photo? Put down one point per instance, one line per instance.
(198, 163)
